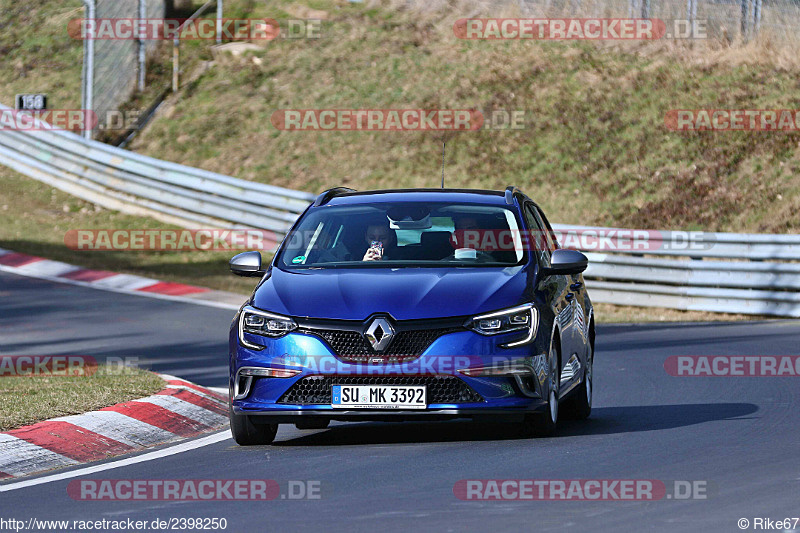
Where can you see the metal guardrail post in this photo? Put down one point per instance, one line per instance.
(142, 46)
(88, 65)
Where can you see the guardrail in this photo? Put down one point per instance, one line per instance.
(722, 272)
(136, 184)
(718, 272)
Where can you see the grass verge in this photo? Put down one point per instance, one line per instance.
(35, 217)
(27, 400)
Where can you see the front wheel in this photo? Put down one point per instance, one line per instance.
(579, 407)
(246, 433)
(544, 424)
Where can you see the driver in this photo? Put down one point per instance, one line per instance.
(379, 231)
(462, 224)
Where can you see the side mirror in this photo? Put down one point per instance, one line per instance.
(566, 262)
(247, 264)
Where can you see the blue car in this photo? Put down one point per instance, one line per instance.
(423, 304)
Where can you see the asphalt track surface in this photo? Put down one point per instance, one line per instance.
(739, 436)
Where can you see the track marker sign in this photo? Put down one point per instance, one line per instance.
(31, 102)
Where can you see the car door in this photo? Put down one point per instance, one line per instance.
(561, 302)
(580, 328)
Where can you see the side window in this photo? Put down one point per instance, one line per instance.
(536, 240)
(550, 233)
(548, 240)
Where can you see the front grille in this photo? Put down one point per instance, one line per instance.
(351, 346)
(439, 389)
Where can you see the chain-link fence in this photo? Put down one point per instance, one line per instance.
(114, 68)
(723, 19)
(727, 20)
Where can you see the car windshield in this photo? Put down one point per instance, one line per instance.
(412, 234)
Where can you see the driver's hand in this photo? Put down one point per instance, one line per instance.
(372, 255)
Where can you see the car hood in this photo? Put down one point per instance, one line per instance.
(404, 293)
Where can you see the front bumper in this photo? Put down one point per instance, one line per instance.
(483, 414)
(500, 396)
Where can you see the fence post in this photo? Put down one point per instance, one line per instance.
(88, 66)
(176, 67)
(219, 21)
(142, 45)
(745, 16)
(757, 17)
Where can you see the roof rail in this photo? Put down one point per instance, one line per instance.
(326, 196)
(510, 191)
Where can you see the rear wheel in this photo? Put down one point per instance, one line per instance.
(579, 406)
(247, 433)
(544, 424)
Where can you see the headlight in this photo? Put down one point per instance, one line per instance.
(258, 322)
(523, 318)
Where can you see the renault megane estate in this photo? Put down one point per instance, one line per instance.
(423, 304)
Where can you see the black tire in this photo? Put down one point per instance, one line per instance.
(246, 433)
(579, 406)
(544, 424)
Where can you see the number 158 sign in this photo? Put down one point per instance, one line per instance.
(31, 102)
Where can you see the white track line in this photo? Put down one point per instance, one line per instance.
(158, 454)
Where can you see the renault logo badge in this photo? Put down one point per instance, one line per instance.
(379, 334)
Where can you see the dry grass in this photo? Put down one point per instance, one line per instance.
(34, 219)
(27, 400)
(594, 138)
(610, 314)
(38, 55)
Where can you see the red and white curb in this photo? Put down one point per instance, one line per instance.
(38, 267)
(181, 410)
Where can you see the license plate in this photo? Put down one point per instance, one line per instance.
(378, 397)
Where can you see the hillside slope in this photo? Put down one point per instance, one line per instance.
(594, 149)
